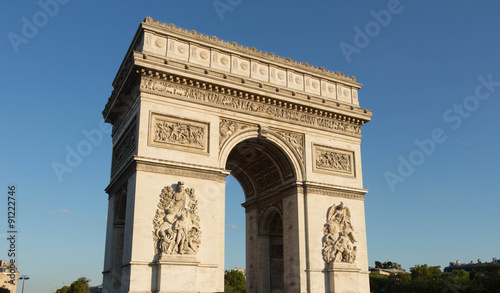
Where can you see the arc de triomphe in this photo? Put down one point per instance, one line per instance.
(187, 110)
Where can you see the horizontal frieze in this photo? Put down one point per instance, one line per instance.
(234, 99)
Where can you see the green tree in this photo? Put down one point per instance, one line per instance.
(379, 283)
(459, 280)
(4, 290)
(426, 279)
(78, 286)
(64, 289)
(234, 281)
(485, 278)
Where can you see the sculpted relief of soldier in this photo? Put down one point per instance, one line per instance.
(176, 223)
(339, 240)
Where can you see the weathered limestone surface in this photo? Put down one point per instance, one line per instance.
(187, 110)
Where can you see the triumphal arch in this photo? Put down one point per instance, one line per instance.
(187, 110)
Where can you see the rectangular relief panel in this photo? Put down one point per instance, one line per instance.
(173, 132)
(332, 160)
(125, 147)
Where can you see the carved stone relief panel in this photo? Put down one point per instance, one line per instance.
(124, 147)
(277, 75)
(312, 85)
(221, 60)
(295, 139)
(177, 49)
(295, 80)
(241, 66)
(229, 127)
(155, 44)
(333, 160)
(338, 240)
(259, 71)
(328, 89)
(355, 96)
(176, 225)
(199, 55)
(344, 94)
(167, 131)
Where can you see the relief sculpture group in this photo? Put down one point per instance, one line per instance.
(338, 242)
(176, 223)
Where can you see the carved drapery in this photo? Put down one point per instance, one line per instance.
(339, 240)
(225, 99)
(176, 225)
(177, 132)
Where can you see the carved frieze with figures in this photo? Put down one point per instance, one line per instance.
(333, 160)
(176, 132)
(228, 98)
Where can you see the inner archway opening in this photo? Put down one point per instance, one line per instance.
(263, 171)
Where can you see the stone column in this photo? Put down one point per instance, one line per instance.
(108, 255)
(294, 249)
(253, 258)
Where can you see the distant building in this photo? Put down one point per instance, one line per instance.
(95, 289)
(387, 268)
(469, 266)
(8, 280)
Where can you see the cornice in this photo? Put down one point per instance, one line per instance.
(334, 190)
(180, 169)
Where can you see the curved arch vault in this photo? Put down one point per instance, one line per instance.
(187, 110)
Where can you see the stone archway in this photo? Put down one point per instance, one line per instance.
(272, 247)
(187, 110)
(268, 178)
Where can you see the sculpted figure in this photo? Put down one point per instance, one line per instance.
(338, 242)
(176, 223)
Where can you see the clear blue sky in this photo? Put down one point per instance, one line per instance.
(420, 70)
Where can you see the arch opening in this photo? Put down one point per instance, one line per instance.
(260, 166)
(264, 171)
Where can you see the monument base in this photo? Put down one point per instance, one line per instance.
(343, 278)
(172, 272)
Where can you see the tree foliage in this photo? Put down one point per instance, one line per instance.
(426, 279)
(64, 289)
(234, 281)
(78, 286)
(4, 290)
